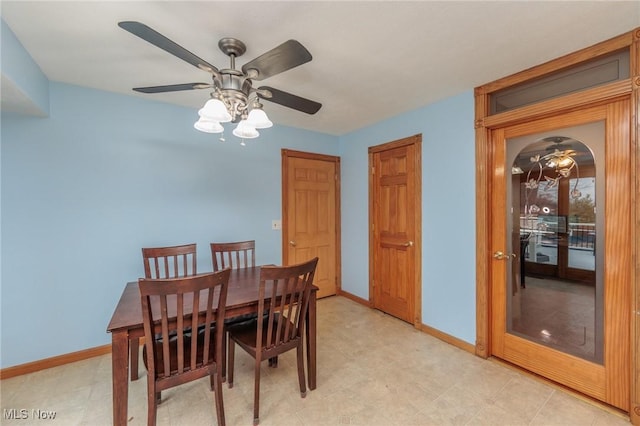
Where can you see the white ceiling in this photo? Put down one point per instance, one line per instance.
(371, 60)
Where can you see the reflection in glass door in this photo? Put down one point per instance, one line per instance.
(582, 223)
(556, 297)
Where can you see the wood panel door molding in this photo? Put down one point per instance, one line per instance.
(395, 228)
(311, 215)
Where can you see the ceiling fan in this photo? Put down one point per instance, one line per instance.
(233, 87)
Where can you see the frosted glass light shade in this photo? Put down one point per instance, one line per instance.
(208, 126)
(258, 119)
(245, 130)
(215, 110)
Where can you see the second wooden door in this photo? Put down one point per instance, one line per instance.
(395, 206)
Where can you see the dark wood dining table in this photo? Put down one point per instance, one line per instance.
(126, 323)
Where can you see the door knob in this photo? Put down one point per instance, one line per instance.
(408, 244)
(503, 256)
(292, 243)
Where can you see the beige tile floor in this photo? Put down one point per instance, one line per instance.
(372, 370)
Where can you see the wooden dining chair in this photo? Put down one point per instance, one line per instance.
(173, 354)
(234, 255)
(163, 262)
(170, 262)
(284, 291)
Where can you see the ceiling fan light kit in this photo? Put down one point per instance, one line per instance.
(233, 99)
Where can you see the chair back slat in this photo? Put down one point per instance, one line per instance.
(180, 331)
(294, 314)
(164, 318)
(170, 262)
(235, 255)
(210, 320)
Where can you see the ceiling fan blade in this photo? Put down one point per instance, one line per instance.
(152, 36)
(289, 100)
(172, 87)
(288, 55)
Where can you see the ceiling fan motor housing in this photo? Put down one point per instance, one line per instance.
(234, 89)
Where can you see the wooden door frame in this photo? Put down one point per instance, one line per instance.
(415, 140)
(485, 123)
(286, 154)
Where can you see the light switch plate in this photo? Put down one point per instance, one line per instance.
(276, 224)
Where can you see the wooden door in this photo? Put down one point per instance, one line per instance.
(395, 214)
(604, 373)
(310, 209)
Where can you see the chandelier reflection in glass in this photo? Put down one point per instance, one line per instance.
(228, 107)
(560, 163)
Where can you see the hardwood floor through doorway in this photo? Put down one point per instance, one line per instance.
(560, 314)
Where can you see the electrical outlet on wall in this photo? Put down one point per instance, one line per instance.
(276, 224)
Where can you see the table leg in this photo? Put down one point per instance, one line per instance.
(120, 376)
(311, 341)
(135, 354)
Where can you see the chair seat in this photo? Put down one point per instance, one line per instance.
(173, 348)
(240, 319)
(245, 334)
(243, 319)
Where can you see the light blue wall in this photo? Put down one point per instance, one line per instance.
(448, 210)
(103, 176)
(19, 70)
